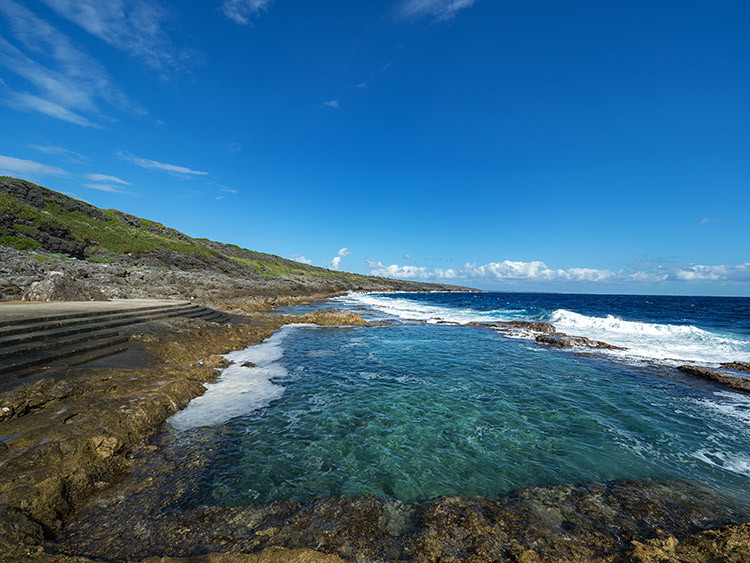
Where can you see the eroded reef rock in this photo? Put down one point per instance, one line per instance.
(737, 383)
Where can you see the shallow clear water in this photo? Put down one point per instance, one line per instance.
(416, 410)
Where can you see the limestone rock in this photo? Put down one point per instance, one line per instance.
(58, 286)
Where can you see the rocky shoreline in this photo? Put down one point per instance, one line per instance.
(86, 476)
(69, 433)
(729, 374)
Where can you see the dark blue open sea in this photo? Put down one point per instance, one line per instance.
(421, 408)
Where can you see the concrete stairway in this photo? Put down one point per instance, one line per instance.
(40, 336)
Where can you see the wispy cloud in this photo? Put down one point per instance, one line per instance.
(300, 258)
(106, 178)
(440, 10)
(336, 261)
(22, 167)
(135, 27)
(362, 85)
(107, 188)
(332, 104)
(69, 155)
(69, 84)
(229, 190)
(156, 165)
(244, 11)
(232, 147)
(707, 220)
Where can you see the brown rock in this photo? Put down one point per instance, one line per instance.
(736, 383)
(519, 325)
(562, 340)
(737, 366)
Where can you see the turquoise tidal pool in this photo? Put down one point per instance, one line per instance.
(416, 411)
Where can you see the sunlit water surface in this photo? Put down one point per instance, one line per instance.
(413, 411)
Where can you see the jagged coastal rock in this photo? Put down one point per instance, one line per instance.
(53, 246)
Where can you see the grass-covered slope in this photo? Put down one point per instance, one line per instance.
(52, 225)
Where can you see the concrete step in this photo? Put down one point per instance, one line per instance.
(51, 318)
(33, 325)
(43, 332)
(68, 361)
(27, 346)
(46, 357)
(32, 348)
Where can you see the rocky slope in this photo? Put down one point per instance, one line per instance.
(53, 247)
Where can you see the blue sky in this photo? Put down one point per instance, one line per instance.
(545, 146)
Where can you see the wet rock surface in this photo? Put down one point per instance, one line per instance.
(562, 340)
(69, 433)
(737, 383)
(547, 335)
(152, 514)
(737, 366)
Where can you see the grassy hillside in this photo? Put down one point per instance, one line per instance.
(53, 225)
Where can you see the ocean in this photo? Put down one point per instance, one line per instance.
(429, 405)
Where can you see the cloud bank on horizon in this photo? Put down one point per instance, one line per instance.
(537, 271)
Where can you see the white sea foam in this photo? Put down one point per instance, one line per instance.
(239, 390)
(730, 462)
(730, 407)
(666, 343)
(414, 311)
(663, 342)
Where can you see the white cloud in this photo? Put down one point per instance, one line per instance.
(10, 166)
(362, 85)
(407, 256)
(440, 10)
(336, 261)
(647, 277)
(106, 188)
(156, 165)
(105, 178)
(509, 270)
(241, 11)
(69, 155)
(133, 26)
(738, 272)
(69, 84)
(332, 104)
(29, 102)
(537, 271)
(706, 220)
(300, 258)
(229, 190)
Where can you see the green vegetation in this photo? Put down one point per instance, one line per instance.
(19, 243)
(104, 236)
(28, 229)
(41, 258)
(99, 259)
